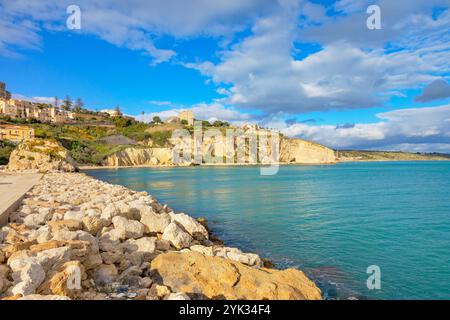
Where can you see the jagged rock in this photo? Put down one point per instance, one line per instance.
(218, 278)
(69, 225)
(131, 229)
(207, 251)
(177, 236)
(27, 274)
(35, 220)
(192, 226)
(235, 254)
(49, 258)
(153, 222)
(65, 281)
(92, 224)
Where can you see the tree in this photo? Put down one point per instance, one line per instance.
(67, 103)
(79, 104)
(184, 122)
(56, 101)
(117, 109)
(157, 119)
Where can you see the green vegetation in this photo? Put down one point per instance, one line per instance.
(96, 135)
(6, 148)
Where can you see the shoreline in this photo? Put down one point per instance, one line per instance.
(81, 167)
(119, 238)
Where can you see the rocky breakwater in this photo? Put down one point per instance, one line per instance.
(41, 156)
(75, 237)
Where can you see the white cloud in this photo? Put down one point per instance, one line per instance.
(264, 74)
(426, 129)
(47, 100)
(202, 111)
(132, 24)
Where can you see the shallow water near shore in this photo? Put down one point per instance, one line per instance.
(331, 221)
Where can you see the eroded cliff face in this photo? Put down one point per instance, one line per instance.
(291, 151)
(140, 157)
(302, 151)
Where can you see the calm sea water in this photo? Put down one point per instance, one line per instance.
(330, 221)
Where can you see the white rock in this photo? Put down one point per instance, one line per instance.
(49, 258)
(235, 254)
(154, 222)
(133, 229)
(177, 296)
(74, 215)
(207, 251)
(192, 226)
(27, 274)
(35, 220)
(177, 236)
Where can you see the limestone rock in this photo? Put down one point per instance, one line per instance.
(69, 224)
(92, 224)
(218, 278)
(153, 222)
(42, 156)
(66, 281)
(235, 254)
(177, 296)
(177, 236)
(192, 226)
(28, 274)
(132, 229)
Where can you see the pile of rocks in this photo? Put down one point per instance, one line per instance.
(75, 237)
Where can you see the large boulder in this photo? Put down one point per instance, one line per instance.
(202, 276)
(42, 156)
(177, 236)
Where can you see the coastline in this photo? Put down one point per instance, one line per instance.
(81, 167)
(124, 236)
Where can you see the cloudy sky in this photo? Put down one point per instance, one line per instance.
(309, 68)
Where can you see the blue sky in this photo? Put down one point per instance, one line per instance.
(309, 68)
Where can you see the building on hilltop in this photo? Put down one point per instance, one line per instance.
(23, 109)
(187, 115)
(16, 133)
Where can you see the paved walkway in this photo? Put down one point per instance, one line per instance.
(13, 187)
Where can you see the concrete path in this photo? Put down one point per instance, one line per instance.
(13, 187)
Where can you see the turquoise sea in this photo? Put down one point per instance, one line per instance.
(332, 221)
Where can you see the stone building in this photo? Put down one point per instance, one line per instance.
(16, 133)
(187, 115)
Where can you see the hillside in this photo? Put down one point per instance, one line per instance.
(362, 155)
